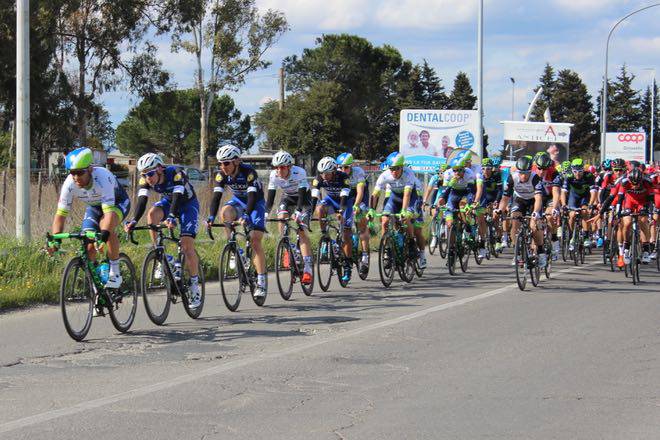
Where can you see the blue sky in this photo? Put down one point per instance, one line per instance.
(520, 37)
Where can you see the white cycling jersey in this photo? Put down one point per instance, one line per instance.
(386, 181)
(459, 183)
(297, 179)
(102, 191)
(358, 175)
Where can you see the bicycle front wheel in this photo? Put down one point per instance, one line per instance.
(231, 286)
(194, 313)
(452, 251)
(325, 263)
(157, 285)
(386, 260)
(76, 299)
(433, 233)
(124, 300)
(520, 258)
(284, 267)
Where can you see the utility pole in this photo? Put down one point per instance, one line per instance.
(513, 97)
(281, 88)
(480, 76)
(23, 120)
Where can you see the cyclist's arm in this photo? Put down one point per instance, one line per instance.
(373, 200)
(407, 193)
(58, 224)
(217, 198)
(302, 195)
(359, 193)
(480, 189)
(344, 193)
(316, 192)
(538, 193)
(270, 198)
(175, 204)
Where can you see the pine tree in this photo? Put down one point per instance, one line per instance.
(623, 110)
(573, 104)
(429, 91)
(549, 84)
(462, 96)
(646, 115)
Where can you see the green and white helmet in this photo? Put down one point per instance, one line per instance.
(399, 160)
(79, 159)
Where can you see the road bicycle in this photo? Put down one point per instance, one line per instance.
(330, 259)
(438, 230)
(165, 279)
(82, 291)
(289, 263)
(397, 251)
(235, 269)
(524, 252)
(462, 241)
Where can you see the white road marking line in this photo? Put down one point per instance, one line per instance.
(239, 363)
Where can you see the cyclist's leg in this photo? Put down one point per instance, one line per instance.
(156, 215)
(391, 206)
(230, 211)
(363, 230)
(257, 228)
(90, 222)
(348, 230)
(188, 215)
(305, 244)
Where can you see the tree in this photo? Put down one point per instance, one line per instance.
(428, 91)
(549, 84)
(623, 109)
(236, 37)
(462, 96)
(167, 122)
(373, 85)
(572, 104)
(93, 33)
(645, 108)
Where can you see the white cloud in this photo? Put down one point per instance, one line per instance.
(425, 14)
(645, 45)
(320, 15)
(266, 100)
(587, 6)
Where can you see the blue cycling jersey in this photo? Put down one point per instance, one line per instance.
(175, 181)
(245, 182)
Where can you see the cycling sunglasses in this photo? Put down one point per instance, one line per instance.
(77, 172)
(226, 163)
(619, 170)
(396, 168)
(149, 173)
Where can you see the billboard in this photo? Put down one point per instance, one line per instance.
(529, 138)
(427, 137)
(628, 146)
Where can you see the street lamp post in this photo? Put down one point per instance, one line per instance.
(480, 75)
(603, 117)
(513, 97)
(649, 158)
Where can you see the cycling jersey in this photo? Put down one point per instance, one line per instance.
(492, 189)
(579, 190)
(407, 181)
(523, 190)
(175, 182)
(245, 181)
(635, 197)
(290, 186)
(103, 191)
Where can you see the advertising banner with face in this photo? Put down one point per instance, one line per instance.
(427, 137)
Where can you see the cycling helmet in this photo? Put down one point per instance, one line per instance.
(566, 165)
(543, 161)
(635, 176)
(326, 165)
(228, 152)
(487, 162)
(398, 160)
(149, 161)
(577, 164)
(524, 163)
(282, 158)
(462, 157)
(619, 163)
(345, 159)
(79, 159)
(591, 169)
(607, 165)
(497, 161)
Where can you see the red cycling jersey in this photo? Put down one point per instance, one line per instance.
(635, 197)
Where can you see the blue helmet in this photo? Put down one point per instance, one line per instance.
(497, 161)
(79, 159)
(345, 159)
(461, 158)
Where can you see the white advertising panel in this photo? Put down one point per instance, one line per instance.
(427, 137)
(628, 146)
(529, 138)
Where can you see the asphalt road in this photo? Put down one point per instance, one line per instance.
(465, 357)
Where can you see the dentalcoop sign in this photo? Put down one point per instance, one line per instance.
(628, 146)
(427, 137)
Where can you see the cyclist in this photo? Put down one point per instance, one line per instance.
(107, 205)
(246, 205)
(579, 192)
(634, 193)
(492, 194)
(338, 200)
(178, 201)
(401, 189)
(526, 188)
(292, 180)
(461, 184)
(544, 167)
(432, 193)
(360, 188)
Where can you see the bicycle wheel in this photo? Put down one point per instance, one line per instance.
(414, 256)
(362, 268)
(184, 287)
(463, 253)
(614, 249)
(231, 285)
(404, 264)
(657, 250)
(533, 264)
(248, 278)
(520, 256)
(386, 260)
(548, 264)
(76, 299)
(442, 238)
(634, 259)
(157, 284)
(324, 263)
(433, 228)
(124, 299)
(565, 241)
(284, 268)
(452, 251)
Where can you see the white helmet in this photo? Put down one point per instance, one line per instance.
(228, 152)
(282, 158)
(149, 161)
(326, 165)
